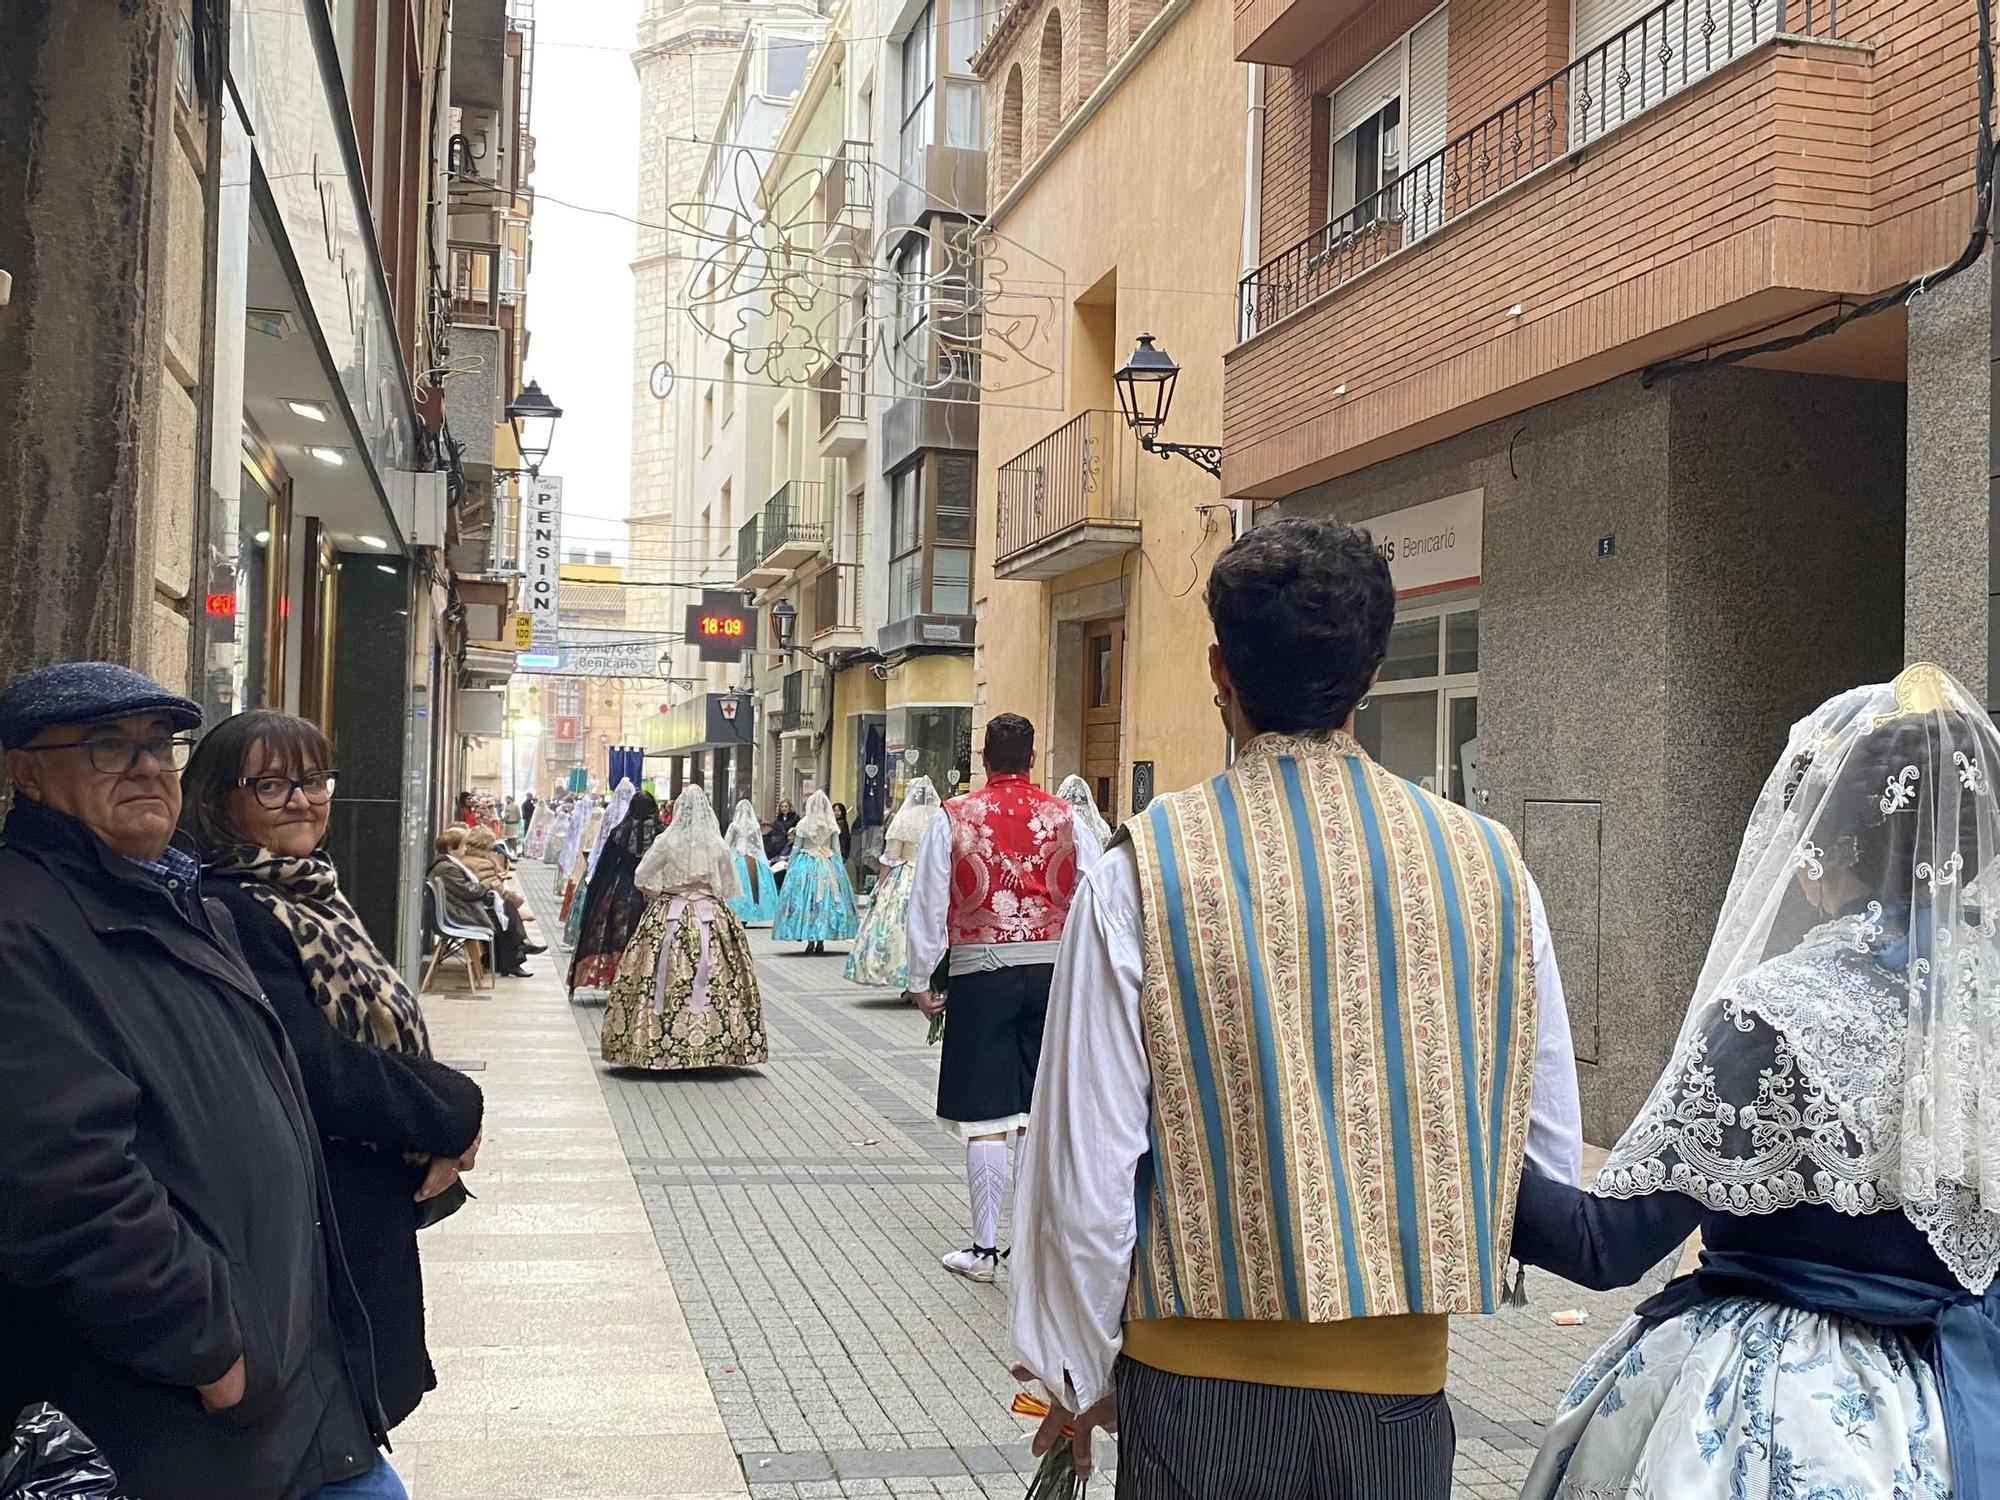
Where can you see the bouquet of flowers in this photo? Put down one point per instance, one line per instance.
(1056, 1478)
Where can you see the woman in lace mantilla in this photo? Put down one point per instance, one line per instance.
(1830, 1122)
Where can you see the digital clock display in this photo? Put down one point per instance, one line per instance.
(722, 631)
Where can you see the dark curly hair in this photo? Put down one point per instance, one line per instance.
(1302, 611)
(1010, 745)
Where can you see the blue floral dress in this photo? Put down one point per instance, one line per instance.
(1742, 1399)
(881, 953)
(759, 902)
(816, 904)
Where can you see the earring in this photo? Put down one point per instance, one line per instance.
(1222, 700)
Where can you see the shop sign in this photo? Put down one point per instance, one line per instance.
(1433, 546)
(569, 727)
(541, 560)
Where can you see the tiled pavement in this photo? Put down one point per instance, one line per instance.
(800, 1210)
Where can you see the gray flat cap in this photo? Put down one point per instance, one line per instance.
(85, 692)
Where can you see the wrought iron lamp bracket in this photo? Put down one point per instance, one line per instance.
(1204, 456)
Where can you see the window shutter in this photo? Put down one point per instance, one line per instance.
(1367, 91)
(1422, 197)
(1599, 20)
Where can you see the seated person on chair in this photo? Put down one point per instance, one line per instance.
(468, 903)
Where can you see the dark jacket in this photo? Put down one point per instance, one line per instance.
(371, 1107)
(163, 1205)
(468, 903)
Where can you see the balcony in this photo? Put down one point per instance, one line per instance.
(1067, 502)
(849, 201)
(836, 607)
(787, 534)
(1699, 174)
(843, 412)
(1284, 33)
(794, 717)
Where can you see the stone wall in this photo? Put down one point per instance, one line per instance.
(1631, 704)
(102, 347)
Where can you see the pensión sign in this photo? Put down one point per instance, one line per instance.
(541, 561)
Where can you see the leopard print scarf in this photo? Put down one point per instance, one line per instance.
(362, 995)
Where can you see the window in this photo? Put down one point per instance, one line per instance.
(728, 386)
(708, 419)
(906, 542)
(918, 73)
(912, 288)
(930, 537)
(1365, 160)
(1389, 118)
(1421, 719)
(785, 59)
(962, 92)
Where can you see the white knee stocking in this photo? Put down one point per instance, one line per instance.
(986, 1178)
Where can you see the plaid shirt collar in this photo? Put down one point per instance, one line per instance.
(177, 873)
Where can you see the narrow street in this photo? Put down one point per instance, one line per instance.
(785, 1327)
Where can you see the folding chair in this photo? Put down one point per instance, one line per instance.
(451, 939)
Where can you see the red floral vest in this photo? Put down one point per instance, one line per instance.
(1013, 866)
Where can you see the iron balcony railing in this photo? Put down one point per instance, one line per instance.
(1668, 49)
(836, 599)
(748, 553)
(1070, 477)
(848, 197)
(792, 517)
(793, 714)
(476, 277)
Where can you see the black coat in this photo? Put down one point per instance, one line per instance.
(163, 1204)
(371, 1107)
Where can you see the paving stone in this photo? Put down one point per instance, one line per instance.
(801, 1208)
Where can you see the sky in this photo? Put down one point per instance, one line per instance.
(585, 121)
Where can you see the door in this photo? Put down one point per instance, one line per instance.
(1103, 710)
(1461, 746)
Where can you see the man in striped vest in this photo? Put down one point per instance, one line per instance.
(1304, 1026)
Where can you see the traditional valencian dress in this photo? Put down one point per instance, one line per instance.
(816, 904)
(881, 951)
(1283, 1103)
(757, 902)
(1830, 1122)
(994, 879)
(613, 902)
(1076, 792)
(686, 992)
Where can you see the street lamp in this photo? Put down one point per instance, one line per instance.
(784, 621)
(1145, 394)
(533, 416)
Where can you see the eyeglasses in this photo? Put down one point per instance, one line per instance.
(115, 755)
(274, 792)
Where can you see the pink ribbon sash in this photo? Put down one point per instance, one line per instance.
(704, 969)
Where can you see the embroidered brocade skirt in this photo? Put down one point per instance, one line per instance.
(668, 1010)
(1744, 1397)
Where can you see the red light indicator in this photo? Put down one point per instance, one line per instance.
(222, 606)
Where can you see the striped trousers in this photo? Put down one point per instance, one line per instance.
(1182, 1437)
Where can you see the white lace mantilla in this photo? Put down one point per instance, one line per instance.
(1792, 1093)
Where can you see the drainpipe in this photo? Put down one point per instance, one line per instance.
(1253, 229)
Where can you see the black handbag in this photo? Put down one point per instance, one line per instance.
(444, 1205)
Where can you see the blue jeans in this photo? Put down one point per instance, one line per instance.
(379, 1483)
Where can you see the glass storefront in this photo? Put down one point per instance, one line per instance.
(1422, 719)
(933, 741)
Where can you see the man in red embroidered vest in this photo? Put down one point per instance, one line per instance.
(993, 884)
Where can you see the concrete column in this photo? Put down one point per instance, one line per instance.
(84, 133)
(1947, 583)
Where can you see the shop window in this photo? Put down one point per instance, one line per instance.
(933, 741)
(1421, 720)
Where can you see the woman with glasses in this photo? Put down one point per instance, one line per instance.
(397, 1127)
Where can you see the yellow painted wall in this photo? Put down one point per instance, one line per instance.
(930, 679)
(855, 691)
(1160, 165)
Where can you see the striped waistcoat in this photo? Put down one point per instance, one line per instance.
(1339, 1012)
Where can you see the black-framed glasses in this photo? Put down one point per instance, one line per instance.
(117, 754)
(274, 792)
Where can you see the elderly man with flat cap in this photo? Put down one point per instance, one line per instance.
(170, 1271)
